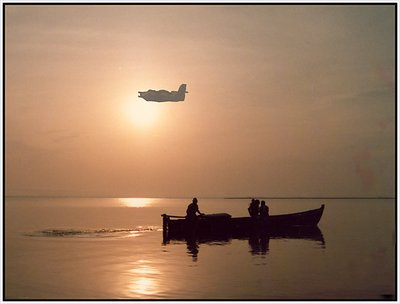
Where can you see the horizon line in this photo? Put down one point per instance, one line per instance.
(203, 197)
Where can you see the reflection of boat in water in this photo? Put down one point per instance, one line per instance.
(311, 233)
(258, 240)
(287, 225)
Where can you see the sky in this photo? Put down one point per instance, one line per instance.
(283, 100)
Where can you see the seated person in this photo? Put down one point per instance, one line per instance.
(264, 210)
(192, 209)
(254, 208)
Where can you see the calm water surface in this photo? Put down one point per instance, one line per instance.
(106, 248)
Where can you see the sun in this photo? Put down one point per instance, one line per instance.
(142, 114)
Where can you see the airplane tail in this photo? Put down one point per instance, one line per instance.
(181, 92)
(182, 88)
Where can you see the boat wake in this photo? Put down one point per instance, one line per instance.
(94, 233)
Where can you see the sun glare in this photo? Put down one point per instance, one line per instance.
(135, 202)
(141, 113)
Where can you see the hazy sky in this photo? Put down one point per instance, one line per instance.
(283, 100)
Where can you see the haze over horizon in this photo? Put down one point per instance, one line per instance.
(283, 100)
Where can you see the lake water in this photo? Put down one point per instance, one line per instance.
(110, 248)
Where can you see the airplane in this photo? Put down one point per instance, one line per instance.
(164, 95)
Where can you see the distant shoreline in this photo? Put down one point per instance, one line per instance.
(314, 197)
(200, 197)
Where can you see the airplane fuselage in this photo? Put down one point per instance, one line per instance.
(164, 95)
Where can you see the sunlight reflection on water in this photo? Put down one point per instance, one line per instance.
(143, 279)
(136, 202)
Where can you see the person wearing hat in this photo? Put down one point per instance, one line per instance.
(192, 209)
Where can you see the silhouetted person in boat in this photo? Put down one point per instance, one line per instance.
(264, 210)
(192, 209)
(251, 207)
(254, 208)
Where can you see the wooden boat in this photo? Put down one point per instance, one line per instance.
(223, 223)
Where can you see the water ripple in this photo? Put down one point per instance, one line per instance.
(92, 233)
